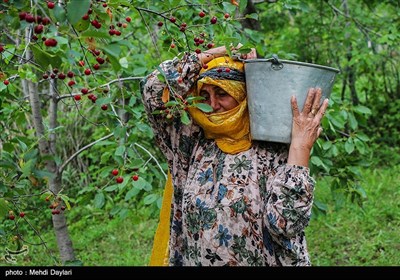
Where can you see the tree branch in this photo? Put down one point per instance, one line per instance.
(62, 167)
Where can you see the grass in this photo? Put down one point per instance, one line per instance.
(354, 236)
(346, 236)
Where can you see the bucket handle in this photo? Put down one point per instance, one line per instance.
(276, 64)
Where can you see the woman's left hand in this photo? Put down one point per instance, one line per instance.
(307, 124)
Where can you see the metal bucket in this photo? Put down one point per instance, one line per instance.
(270, 83)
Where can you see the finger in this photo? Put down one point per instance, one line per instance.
(316, 101)
(319, 132)
(321, 112)
(295, 107)
(309, 101)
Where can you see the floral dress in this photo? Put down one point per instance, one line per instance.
(244, 209)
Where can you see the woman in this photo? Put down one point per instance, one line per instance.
(236, 202)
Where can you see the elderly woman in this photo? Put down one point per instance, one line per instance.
(235, 202)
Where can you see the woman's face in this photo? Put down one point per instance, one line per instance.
(217, 98)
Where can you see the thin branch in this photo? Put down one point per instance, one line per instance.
(104, 85)
(158, 164)
(61, 169)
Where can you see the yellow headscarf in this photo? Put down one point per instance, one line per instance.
(230, 129)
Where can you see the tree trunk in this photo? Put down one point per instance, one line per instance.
(46, 148)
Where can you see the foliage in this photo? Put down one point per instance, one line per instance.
(84, 59)
(350, 235)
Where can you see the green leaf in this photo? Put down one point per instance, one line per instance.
(76, 9)
(111, 188)
(204, 107)
(27, 167)
(43, 174)
(352, 121)
(150, 199)
(123, 61)
(327, 145)
(131, 193)
(120, 151)
(362, 110)
(3, 207)
(139, 71)
(316, 161)
(44, 58)
(94, 34)
(184, 117)
(349, 146)
(252, 16)
(99, 200)
(59, 13)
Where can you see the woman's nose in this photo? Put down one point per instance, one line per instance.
(214, 103)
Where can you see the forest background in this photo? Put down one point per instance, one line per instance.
(81, 179)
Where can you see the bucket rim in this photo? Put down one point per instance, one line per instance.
(292, 62)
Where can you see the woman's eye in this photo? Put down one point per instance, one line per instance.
(205, 95)
(222, 94)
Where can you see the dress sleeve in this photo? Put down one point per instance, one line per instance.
(290, 194)
(289, 199)
(179, 75)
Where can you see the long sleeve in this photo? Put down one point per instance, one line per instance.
(172, 137)
(290, 199)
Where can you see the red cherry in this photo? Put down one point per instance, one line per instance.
(172, 19)
(84, 90)
(38, 29)
(96, 66)
(104, 107)
(172, 45)
(6, 82)
(82, 63)
(29, 18)
(227, 15)
(45, 76)
(100, 60)
(88, 71)
(11, 217)
(51, 42)
(213, 20)
(128, 19)
(45, 21)
(70, 74)
(22, 214)
(1, 48)
(115, 172)
(202, 14)
(135, 177)
(119, 180)
(160, 23)
(77, 97)
(210, 45)
(71, 83)
(61, 76)
(50, 5)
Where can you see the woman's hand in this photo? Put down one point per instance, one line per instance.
(208, 55)
(306, 126)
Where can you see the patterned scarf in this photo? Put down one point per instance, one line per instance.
(230, 129)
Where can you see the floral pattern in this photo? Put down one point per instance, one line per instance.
(246, 209)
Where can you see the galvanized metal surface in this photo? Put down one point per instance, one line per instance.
(270, 84)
